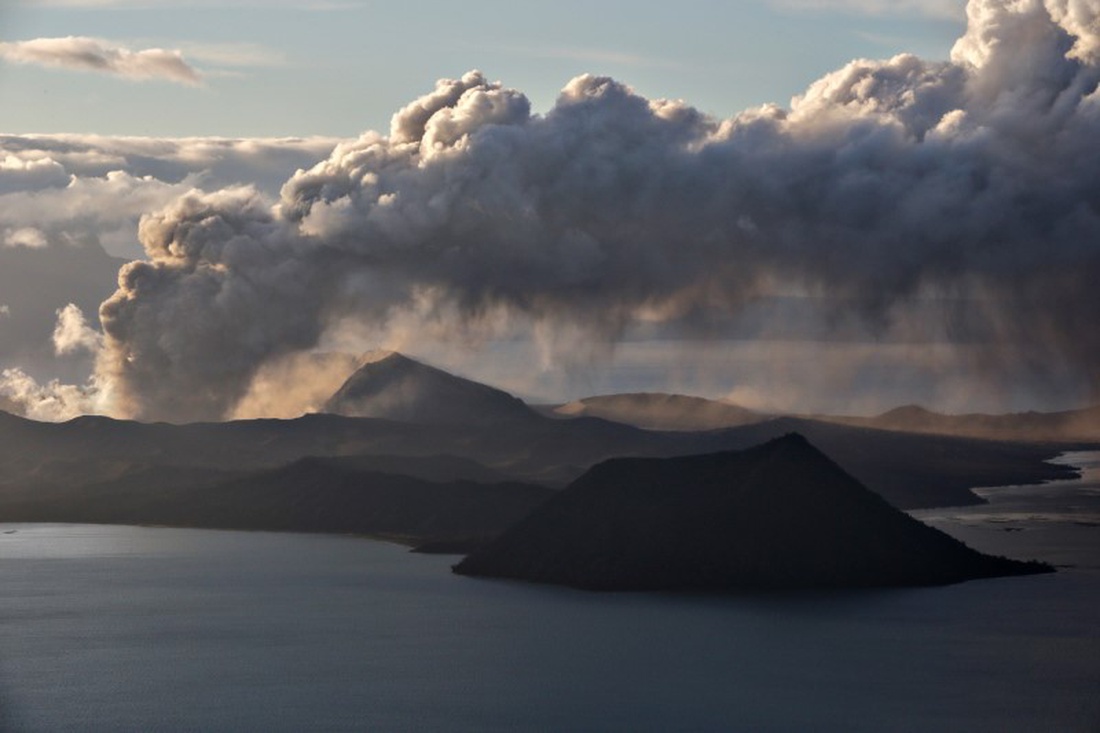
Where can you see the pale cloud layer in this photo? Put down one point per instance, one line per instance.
(234, 55)
(316, 5)
(947, 9)
(79, 53)
(56, 187)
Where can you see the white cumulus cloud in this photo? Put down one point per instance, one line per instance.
(72, 332)
(51, 401)
(28, 237)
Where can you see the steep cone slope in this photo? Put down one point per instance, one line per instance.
(396, 387)
(780, 515)
(658, 411)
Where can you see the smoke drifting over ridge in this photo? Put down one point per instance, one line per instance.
(975, 180)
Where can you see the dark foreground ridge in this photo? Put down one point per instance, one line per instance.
(355, 495)
(780, 515)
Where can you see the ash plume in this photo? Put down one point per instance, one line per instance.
(975, 181)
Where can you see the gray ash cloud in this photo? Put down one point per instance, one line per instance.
(974, 181)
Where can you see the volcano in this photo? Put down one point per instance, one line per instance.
(395, 387)
(779, 515)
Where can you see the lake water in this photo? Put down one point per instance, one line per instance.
(138, 629)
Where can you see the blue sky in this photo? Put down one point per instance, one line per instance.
(294, 68)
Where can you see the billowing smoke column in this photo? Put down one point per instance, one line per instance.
(976, 180)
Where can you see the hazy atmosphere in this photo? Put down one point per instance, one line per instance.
(550, 366)
(607, 205)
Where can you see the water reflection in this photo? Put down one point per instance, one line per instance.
(1057, 521)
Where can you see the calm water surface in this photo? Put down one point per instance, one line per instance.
(141, 629)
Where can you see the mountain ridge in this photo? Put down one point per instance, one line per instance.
(911, 470)
(310, 494)
(1066, 425)
(660, 411)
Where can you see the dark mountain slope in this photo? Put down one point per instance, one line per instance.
(308, 495)
(910, 470)
(396, 387)
(780, 515)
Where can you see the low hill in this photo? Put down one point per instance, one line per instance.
(307, 495)
(1070, 425)
(659, 411)
(780, 515)
(395, 387)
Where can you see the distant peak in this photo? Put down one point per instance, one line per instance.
(791, 438)
(393, 386)
(790, 441)
(376, 356)
(793, 447)
(908, 411)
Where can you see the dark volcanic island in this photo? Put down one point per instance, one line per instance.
(780, 515)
